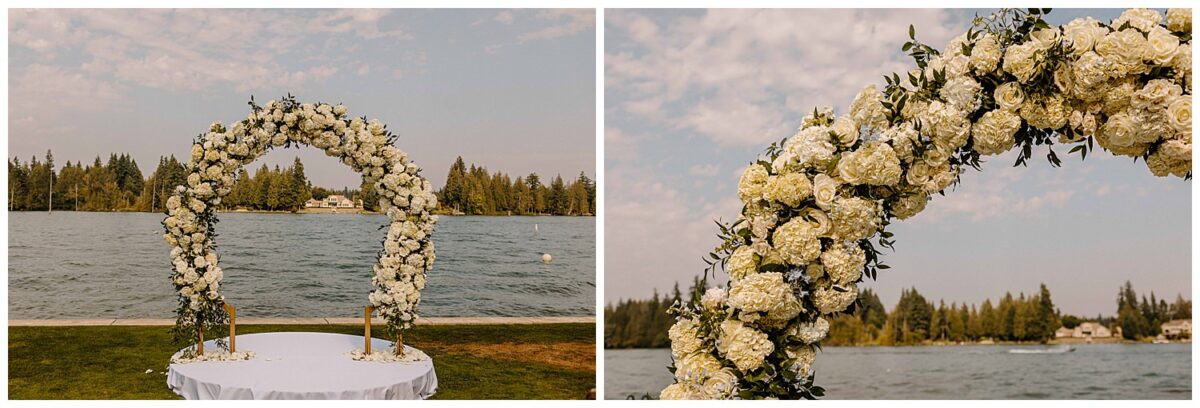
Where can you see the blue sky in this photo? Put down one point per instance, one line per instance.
(693, 96)
(513, 90)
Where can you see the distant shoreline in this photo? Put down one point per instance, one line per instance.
(1003, 343)
(433, 321)
(310, 211)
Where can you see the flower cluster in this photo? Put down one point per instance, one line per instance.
(388, 356)
(190, 356)
(814, 206)
(366, 146)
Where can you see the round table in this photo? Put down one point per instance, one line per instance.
(302, 366)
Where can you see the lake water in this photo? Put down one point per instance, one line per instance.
(1093, 371)
(101, 265)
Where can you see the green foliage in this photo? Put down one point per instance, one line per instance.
(1138, 319)
(636, 323)
(472, 190)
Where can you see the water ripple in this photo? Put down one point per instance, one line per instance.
(297, 265)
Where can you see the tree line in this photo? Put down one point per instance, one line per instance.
(1145, 318)
(473, 190)
(118, 185)
(635, 323)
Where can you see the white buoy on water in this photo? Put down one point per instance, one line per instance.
(535, 228)
(546, 258)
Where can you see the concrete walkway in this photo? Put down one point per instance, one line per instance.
(432, 321)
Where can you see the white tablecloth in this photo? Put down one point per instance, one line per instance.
(302, 366)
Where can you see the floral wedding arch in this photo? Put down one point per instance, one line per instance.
(366, 146)
(812, 207)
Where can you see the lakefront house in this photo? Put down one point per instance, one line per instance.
(1177, 328)
(1084, 330)
(333, 201)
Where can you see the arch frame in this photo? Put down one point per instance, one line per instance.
(366, 146)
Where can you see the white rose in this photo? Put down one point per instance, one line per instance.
(1162, 45)
(1179, 114)
(1045, 38)
(1009, 96)
(1083, 33)
(1124, 49)
(846, 130)
(721, 385)
(824, 190)
(1121, 129)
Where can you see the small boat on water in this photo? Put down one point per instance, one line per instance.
(1065, 348)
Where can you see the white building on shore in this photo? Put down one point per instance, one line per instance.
(333, 201)
(1084, 330)
(1177, 328)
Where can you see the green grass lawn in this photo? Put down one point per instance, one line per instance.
(534, 361)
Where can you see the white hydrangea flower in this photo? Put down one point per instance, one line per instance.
(993, 133)
(874, 163)
(867, 108)
(985, 55)
(1179, 20)
(963, 93)
(1023, 61)
(685, 338)
(1139, 18)
(855, 218)
(788, 188)
(830, 300)
(761, 293)
(843, 263)
(810, 332)
(797, 242)
(746, 347)
(754, 180)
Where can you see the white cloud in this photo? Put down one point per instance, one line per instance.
(1004, 191)
(745, 77)
(655, 232)
(576, 21)
(40, 85)
(504, 17)
(555, 23)
(194, 50)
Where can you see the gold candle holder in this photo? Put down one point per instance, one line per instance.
(200, 344)
(400, 344)
(232, 327)
(367, 328)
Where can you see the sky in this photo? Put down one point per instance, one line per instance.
(512, 90)
(693, 96)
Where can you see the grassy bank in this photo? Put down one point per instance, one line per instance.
(536, 361)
